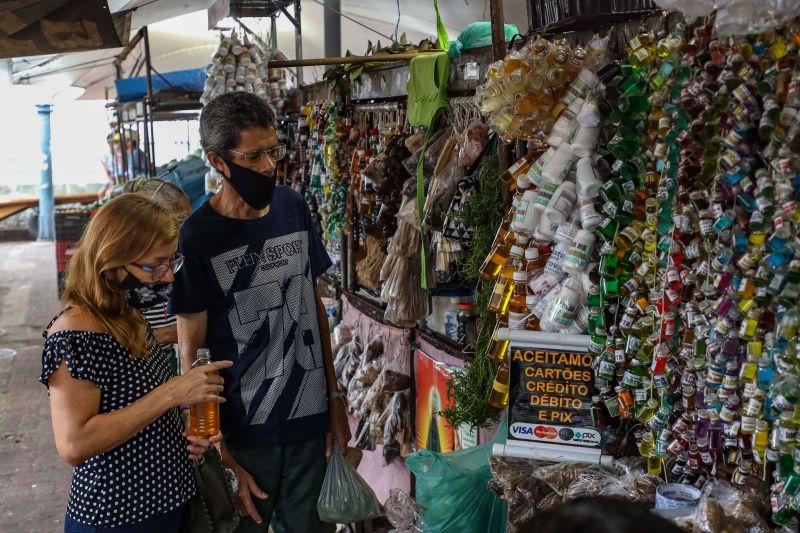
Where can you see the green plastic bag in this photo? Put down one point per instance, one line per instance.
(476, 35)
(345, 497)
(452, 491)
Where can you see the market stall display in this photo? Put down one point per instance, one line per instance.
(650, 217)
(659, 218)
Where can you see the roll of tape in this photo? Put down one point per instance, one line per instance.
(676, 496)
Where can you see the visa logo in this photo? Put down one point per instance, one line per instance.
(521, 430)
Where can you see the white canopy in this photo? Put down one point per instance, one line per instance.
(179, 38)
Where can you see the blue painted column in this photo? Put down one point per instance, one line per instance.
(47, 229)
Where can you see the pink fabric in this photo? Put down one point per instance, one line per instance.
(381, 478)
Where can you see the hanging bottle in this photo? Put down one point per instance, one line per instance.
(498, 398)
(518, 310)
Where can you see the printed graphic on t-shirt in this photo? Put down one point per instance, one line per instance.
(274, 322)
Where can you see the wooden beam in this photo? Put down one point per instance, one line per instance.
(12, 207)
(349, 60)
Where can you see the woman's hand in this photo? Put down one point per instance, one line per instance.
(200, 384)
(197, 446)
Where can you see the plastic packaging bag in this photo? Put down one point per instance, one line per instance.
(724, 508)
(475, 139)
(452, 491)
(401, 511)
(345, 496)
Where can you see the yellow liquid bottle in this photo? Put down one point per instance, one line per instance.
(653, 465)
(498, 398)
(497, 350)
(501, 295)
(203, 416)
(647, 444)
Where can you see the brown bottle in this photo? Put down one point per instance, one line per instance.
(518, 306)
(533, 321)
(509, 177)
(534, 262)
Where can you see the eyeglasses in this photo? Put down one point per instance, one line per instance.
(159, 271)
(276, 153)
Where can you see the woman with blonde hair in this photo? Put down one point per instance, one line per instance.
(114, 406)
(163, 323)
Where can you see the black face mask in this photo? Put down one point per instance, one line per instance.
(255, 188)
(143, 295)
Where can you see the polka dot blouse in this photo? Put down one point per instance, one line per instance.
(148, 475)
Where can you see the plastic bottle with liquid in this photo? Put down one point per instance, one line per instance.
(203, 416)
(498, 398)
(580, 252)
(559, 164)
(566, 124)
(526, 216)
(497, 350)
(518, 310)
(564, 307)
(501, 295)
(509, 177)
(498, 256)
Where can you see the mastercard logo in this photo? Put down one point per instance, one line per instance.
(546, 432)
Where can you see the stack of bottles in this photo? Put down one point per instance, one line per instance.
(543, 251)
(694, 324)
(525, 93)
(633, 315)
(329, 154)
(238, 65)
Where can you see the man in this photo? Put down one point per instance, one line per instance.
(247, 291)
(112, 165)
(137, 162)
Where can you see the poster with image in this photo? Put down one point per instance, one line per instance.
(433, 431)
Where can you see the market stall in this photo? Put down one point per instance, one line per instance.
(622, 296)
(565, 263)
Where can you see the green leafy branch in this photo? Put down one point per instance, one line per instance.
(470, 388)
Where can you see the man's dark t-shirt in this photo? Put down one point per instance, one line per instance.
(255, 278)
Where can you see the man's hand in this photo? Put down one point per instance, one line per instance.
(245, 491)
(340, 427)
(246, 485)
(167, 334)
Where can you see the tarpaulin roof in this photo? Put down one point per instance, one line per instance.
(132, 89)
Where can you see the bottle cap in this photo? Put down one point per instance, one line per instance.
(521, 275)
(531, 300)
(517, 250)
(531, 254)
(522, 240)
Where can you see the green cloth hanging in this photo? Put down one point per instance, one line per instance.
(427, 87)
(427, 94)
(476, 35)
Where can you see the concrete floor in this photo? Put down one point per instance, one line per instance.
(34, 481)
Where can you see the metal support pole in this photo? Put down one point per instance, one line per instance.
(499, 52)
(333, 28)
(273, 32)
(298, 40)
(47, 227)
(150, 153)
(123, 150)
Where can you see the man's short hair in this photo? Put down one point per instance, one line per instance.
(226, 115)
